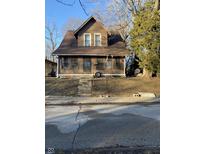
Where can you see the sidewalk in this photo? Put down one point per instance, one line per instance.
(66, 100)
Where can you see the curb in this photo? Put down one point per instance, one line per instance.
(64, 100)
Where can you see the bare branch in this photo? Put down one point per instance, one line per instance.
(117, 17)
(64, 3)
(51, 38)
(83, 7)
(72, 24)
(71, 4)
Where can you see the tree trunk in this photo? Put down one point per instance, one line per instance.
(146, 73)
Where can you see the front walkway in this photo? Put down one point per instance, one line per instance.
(85, 87)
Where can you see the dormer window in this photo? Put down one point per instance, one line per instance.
(97, 39)
(87, 39)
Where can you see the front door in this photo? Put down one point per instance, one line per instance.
(87, 65)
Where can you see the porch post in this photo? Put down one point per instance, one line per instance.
(124, 66)
(58, 63)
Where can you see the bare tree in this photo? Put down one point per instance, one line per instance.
(72, 24)
(117, 16)
(51, 36)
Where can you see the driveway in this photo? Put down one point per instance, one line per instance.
(96, 126)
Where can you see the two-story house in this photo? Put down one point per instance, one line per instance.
(90, 49)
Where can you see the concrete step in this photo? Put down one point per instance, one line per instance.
(84, 88)
(84, 95)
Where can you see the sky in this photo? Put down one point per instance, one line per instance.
(58, 13)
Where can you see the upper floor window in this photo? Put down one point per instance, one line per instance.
(97, 38)
(87, 39)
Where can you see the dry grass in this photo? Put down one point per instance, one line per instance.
(61, 87)
(125, 86)
(111, 86)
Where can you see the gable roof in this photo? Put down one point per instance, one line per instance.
(68, 46)
(69, 40)
(87, 21)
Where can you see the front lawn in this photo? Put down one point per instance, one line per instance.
(61, 87)
(102, 86)
(125, 86)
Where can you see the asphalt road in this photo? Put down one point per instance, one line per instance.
(96, 126)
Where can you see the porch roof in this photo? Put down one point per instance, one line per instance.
(92, 51)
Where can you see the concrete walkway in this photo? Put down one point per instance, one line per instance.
(84, 87)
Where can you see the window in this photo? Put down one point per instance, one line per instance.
(65, 62)
(100, 64)
(87, 64)
(87, 39)
(118, 64)
(97, 39)
(109, 63)
(74, 64)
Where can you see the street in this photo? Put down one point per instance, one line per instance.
(97, 126)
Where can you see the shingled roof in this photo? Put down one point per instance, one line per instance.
(69, 40)
(87, 21)
(92, 51)
(68, 46)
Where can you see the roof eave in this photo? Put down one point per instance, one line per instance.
(85, 22)
(121, 55)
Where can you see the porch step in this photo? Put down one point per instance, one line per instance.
(83, 94)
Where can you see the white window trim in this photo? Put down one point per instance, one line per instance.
(90, 38)
(100, 38)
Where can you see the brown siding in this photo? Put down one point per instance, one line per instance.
(93, 27)
(118, 65)
(113, 69)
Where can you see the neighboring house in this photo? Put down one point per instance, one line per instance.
(50, 67)
(90, 49)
